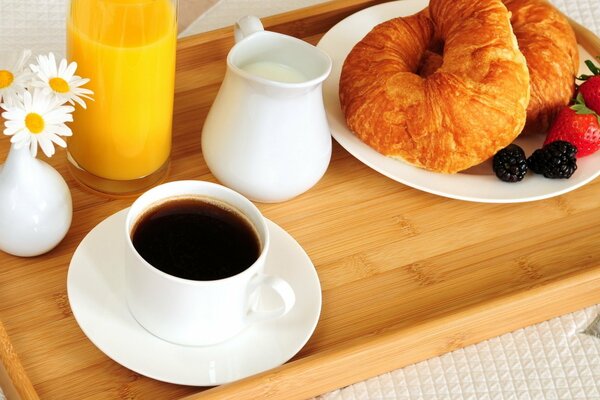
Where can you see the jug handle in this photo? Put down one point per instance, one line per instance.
(246, 26)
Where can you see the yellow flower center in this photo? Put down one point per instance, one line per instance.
(6, 78)
(34, 122)
(59, 85)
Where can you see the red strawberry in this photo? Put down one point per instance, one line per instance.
(577, 125)
(590, 88)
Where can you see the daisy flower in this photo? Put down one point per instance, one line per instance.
(37, 119)
(14, 78)
(60, 82)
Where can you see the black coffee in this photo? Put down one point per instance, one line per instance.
(196, 238)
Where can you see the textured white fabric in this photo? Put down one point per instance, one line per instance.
(550, 360)
(38, 25)
(586, 12)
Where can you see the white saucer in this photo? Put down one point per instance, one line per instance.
(96, 295)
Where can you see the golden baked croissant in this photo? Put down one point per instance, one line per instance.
(548, 43)
(462, 114)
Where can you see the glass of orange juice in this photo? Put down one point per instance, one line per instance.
(121, 144)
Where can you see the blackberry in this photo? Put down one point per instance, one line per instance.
(556, 160)
(510, 164)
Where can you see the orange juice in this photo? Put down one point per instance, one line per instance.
(127, 49)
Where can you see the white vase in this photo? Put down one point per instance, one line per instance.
(35, 205)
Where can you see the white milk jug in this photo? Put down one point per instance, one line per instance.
(266, 135)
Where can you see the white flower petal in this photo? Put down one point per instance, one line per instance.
(52, 65)
(18, 144)
(12, 130)
(42, 69)
(42, 101)
(62, 130)
(37, 82)
(83, 92)
(57, 116)
(79, 101)
(20, 139)
(37, 100)
(77, 81)
(12, 123)
(46, 145)
(23, 59)
(14, 113)
(67, 109)
(9, 96)
(58, 108)
(58, 140)
(71, 71)
(20, 136)
(33, 145)
(27, 101)
(22, 77)
(38, 68)
(62, 67)
(63, 98)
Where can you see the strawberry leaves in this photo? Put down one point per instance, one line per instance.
(581, 108)
(592, 67)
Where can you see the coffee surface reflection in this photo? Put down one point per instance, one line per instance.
(196, 238)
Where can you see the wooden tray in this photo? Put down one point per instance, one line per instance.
(406, 275)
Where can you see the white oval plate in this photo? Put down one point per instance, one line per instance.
(478, 184)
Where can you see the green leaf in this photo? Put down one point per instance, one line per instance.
(592, 67)
(582, 109)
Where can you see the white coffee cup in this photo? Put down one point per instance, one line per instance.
(191, 312)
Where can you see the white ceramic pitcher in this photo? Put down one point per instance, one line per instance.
(266, 135)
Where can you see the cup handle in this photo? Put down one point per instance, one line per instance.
(246, 26)
(276, 284)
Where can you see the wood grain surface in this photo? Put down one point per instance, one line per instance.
(14, 381)
(406, 275)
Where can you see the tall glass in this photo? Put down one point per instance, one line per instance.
(121, 144)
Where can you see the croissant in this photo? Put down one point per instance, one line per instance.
(549, 45)
(460, 115)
